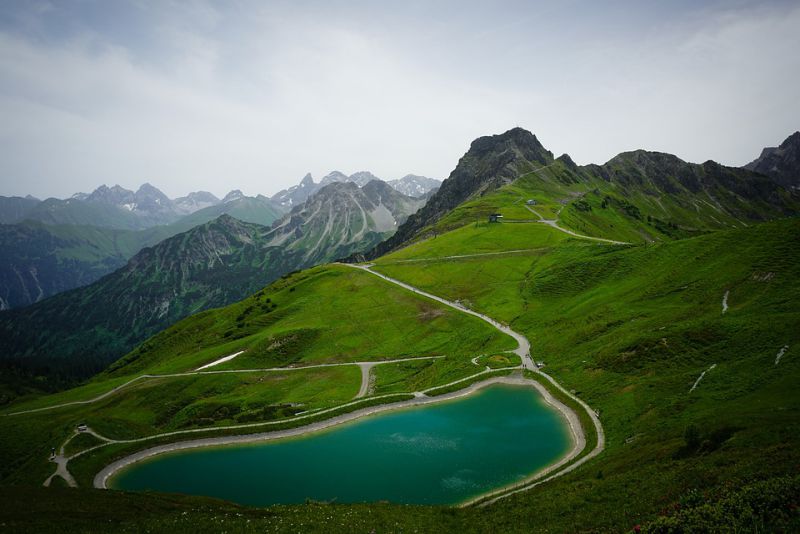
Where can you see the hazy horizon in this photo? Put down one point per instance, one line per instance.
(252, 96)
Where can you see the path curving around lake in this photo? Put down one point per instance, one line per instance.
(575, 457)
(576, 431)
(523, 351)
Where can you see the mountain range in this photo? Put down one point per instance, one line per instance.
(410, 185)
(210, 265)
(643, 196)
(654, 195)
(57, 245)
(41, 259)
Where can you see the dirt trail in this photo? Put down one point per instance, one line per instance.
(196, 373)
(523, 351)
(780, 354)
(365, 374)
(699, 378)
(554, 223)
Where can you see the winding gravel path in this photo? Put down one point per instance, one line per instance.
(554, 223)
(217, 372)
(523, 350)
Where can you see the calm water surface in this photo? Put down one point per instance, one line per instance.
(440, 454)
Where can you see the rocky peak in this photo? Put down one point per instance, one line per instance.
(414, 185)
(147, 195)
(566, 160)
(116, 195)
(362, 178)
(781, 163)
(522, 143)
(491, 162)
(202, 196)
(307, 180)
(333, 176)
(233, 195)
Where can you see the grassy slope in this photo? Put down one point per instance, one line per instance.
(588, 204)
(323, 315)
(631, 329)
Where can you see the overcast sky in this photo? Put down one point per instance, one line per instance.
(252, 95)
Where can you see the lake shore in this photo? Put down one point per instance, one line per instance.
(576, 433)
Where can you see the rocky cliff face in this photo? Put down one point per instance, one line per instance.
(297, 194)
(781, 163)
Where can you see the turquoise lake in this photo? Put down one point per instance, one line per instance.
(437, 454)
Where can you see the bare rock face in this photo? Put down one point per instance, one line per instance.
(781, 163)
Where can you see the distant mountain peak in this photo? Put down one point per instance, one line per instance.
(148, 188)
(333, 176)
(414, 185)
(307, 180)
(235, 194)
(362, 178)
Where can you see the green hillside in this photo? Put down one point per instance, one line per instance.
(332, 314)
(629, 328)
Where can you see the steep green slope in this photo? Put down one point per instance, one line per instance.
(40, 260)
(630, 328)
(79, 332)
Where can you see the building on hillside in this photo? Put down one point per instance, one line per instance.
(495, 217)
(531, 202)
